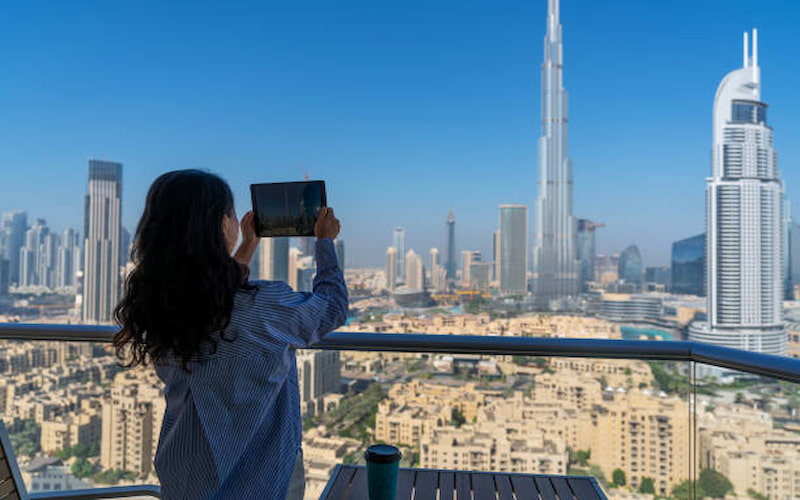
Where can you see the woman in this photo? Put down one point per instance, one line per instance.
(223, 346)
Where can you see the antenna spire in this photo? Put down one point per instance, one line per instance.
(755, 47)
(746, 51)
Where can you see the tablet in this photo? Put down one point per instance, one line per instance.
(287, 208)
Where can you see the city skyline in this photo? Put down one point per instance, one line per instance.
(661, 198)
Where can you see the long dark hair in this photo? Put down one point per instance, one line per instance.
(179, 296)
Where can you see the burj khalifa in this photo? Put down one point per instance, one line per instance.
(555, 260)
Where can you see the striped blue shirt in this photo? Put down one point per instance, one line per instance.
(232, 426)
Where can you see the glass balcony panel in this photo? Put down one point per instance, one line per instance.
(748, 434)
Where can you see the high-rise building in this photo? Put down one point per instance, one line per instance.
(479, 274)
(587, 250)
(630, 267)
(338, 245)
(555, 258)
(13, 225)
(103, 234)
(792, 258)
(689, 266)
(436, 271)
(467, 258)
(513, 249)
(318, 374)
(450, 247)
(391, 268)
(657, 276)
(744, 220)
(68, 255)
(33, 256)
(415, 274)
(273, 259)
(496, 255)
(5, 276)
(399, 242)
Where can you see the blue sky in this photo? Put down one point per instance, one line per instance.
(405, 109)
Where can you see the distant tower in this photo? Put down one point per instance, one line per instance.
(688, 266)
(468, 257)
(103, 234)
(338, 245)
(273, 259)
(630, 267)
(391, 268)
(587, 250)
(14, 225)
(399, 243)
(555, 259)
(744, 220)
(415, 277)
(495, 255)
(513, 249)
(435, 267)
(450, 247)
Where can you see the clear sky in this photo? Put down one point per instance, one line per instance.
(406, 109)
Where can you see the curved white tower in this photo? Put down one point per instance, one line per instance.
(744, 208)
(555, 256)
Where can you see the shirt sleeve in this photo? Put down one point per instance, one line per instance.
(307, 317)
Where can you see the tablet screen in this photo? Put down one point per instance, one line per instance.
(287, 208)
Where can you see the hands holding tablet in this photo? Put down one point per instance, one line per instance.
(327, 225)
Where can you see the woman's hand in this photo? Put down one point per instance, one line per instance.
(244, 254)
(327, 225)
(248, 226)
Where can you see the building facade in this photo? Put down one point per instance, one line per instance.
(415, 273)
(689, 266)
(630, 267)
(513, 249)
(102, 232)
(555, 258)
(587, 250)
(450, 247)
(391, 268)
(273, 259)
(744, 220)
(399, 242)
(14, 225)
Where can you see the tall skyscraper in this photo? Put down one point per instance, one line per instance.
(630, 266)
(13, 225)
(103, 234)
(587, 250)
(791, 273)
(67, 257)
(399, 243)
(495, 255)
(415, 274)
(450, 247)
(436, 271)
(273, 259)
(467, 258)
(318, 374)
(555, 259)
(513, 249)
(33, 256)
(744, 220)
(5, 276)
(689, 266)
(391, 268)
(338, 245)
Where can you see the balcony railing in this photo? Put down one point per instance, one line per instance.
(778, 367)
(680, 433)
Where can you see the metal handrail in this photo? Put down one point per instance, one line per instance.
(779, 367)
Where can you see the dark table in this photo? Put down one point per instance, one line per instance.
(350, 482)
